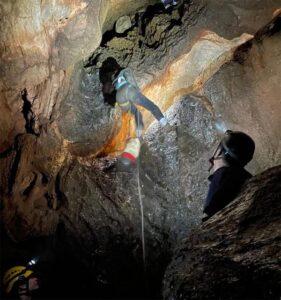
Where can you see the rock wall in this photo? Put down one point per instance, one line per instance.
(236, 253)
(40, 43)
(59, 136)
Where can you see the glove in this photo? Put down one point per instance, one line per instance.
(163, 122)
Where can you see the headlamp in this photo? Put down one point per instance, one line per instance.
(32, 262)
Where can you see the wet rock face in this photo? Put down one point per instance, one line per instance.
(236, 253)
(172, 157)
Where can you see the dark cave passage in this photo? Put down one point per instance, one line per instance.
(108, 70)
(28, 113)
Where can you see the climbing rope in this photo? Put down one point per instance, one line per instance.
(142, 215)
(138, 163)
(138, 181)
(141, 206)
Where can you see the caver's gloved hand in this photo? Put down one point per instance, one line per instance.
(163, 122)
(166, 126)
(139, 131)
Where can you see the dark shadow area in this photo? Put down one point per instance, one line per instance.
(28, 113)
(66, 269)
(247, 284)
(272, 28)
(109, 68)
(140, 19)
(15, 164)
(157, 9)
(241, 53)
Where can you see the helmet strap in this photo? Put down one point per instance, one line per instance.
(213, 158)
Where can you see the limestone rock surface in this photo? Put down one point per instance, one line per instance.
(59, 136)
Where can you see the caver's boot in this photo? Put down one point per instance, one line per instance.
(128, 159)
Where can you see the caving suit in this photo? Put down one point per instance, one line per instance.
(225, 185)
(128, 94)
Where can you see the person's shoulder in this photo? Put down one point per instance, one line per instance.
(231, 172)
(219, 173)
(239, 172)
(222, 170)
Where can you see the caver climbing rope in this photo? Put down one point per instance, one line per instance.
(131, 153)
(139, 184)
(138, 165)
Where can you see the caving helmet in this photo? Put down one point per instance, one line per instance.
(12, 276)
(236, 147)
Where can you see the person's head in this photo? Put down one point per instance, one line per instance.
(235, 149)
(20, 277)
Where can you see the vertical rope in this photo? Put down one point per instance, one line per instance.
(141, 207)
(142, 216)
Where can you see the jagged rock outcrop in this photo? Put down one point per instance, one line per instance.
(236, 253)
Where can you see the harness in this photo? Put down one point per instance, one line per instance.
(119, 82)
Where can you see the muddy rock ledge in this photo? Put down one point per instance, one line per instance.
(236, 254)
